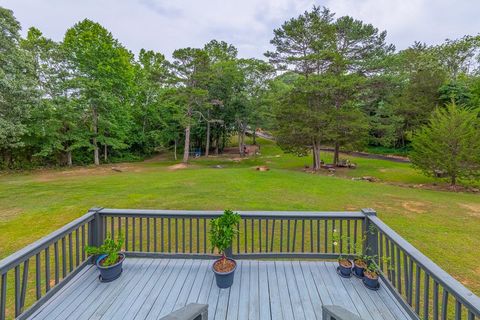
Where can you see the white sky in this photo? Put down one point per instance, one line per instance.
(164, 26)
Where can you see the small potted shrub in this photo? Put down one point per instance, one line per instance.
(108, 258)
(360, 264)
(222, 231)
(344, 268)
(370, 278)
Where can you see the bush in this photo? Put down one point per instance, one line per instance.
(449, 145)
(223, 229)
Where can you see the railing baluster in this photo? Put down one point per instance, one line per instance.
(190, 236)
(325, 226)
(266, 235)
(134, 238)
(83, 242)
(169, 234)
(341, 236)
(3, 297)
(392, 256)
(126, 233)
(198, 236)
(17, 291)
(348, 237)
(303, 235)
(444, 304)
(410, 282)
(389, 262)
(38, 277)
(245, 232)
(405, 271)
(426, 296)
(273, 235)
(162, 236)
(176, 235)
(141, 233)
(399, 271)
(458, 310)
(435, 300)
(294, 234)
(288, 235)
(281, 235)
(252, 227)
(260, 234)
(318, 235)
(24, 284)
(55, 252)
(155, 240)
(471, 316)
(333, 231)
(70, 252)
(64, 258)
(112, 227)
(148, 234)
(380, 250)
(47, 268)
(417, 288)
(119, 224)
(183, 235)
(355, 239)
(77, 248)
(205, 235)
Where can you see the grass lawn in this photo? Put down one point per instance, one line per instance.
(443, 225)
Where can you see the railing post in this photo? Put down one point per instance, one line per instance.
(95, 229)
(370, 246)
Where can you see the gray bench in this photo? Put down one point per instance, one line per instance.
(192, 311)
(338, 313)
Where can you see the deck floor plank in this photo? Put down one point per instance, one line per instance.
(152, 288)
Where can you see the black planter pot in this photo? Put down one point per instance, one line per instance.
(371, 284)
(358, 271)
(112, 272)
(224, 279)
(345, 272)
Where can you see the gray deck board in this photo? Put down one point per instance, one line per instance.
(152, 288)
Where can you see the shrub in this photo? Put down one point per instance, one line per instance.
(222, 231)
(109, 247)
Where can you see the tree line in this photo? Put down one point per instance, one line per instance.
(328, 81)
(87, 99)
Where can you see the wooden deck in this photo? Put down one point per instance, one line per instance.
(152, 288)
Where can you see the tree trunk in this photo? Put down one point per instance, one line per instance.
(336, 157)
(69, 158)
(316, 155)
(96, 158)
(187, 144)
(453, 180)
(105, 153)
(254, 136)
(175, 149)
(217, 144)
(207, 147)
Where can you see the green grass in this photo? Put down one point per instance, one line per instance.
(443, 225)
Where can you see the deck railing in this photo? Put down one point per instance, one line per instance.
(33, 274)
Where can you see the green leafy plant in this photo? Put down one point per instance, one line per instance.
(109, 247)
(336, 240)
(222, 231)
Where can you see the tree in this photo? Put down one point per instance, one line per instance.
(449, 144)
(103, 74)
(18, 86)
(190, 70)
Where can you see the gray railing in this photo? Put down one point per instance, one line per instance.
(423, 286)
(265, 234)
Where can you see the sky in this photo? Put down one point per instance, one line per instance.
(164, 26)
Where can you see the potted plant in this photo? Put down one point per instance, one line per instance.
(360, 264)
(370, 278)
(108, 258)
(344, 268)
(222, 231)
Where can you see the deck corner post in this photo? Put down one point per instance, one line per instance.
(370, 245)
(96, 236)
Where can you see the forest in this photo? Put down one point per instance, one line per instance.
(327, 81)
